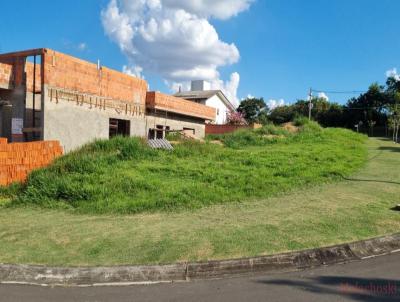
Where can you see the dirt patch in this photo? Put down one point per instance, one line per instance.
(217, 142)
(272, 136)
(290, 127)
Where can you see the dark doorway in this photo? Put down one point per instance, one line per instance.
(160, 132)
(119, 127)
(152, 134)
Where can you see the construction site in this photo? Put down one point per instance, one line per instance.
(52, 103)
(46, 95)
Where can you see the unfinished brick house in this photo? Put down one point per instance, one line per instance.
(47, 95)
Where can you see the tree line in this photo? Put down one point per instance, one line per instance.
(378, 109)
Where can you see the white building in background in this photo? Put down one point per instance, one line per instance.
(200, 92)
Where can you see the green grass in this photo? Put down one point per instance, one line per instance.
(333, 213)
(124, 176)
(9, 193)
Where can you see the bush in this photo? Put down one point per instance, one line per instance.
(311, 127)
(174, 136)
(11, 190)
(300, 121)
(271, 129)
(243, 138)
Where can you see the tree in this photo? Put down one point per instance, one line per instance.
(368, 109)
(325, 113)
(393, 85)
(393, 94)
(282, 114)
(251, 108)
(333, 116)
(394, 123)
(236, 118)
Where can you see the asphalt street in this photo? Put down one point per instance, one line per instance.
(375, 279)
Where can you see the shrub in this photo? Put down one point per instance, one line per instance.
(243, 138)
(300, 121)
(311, 127)
(271, 129)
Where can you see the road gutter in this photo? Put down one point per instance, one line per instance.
(181, 272)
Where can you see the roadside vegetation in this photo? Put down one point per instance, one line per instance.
(124, 176)
(356, 208)
(375, 112)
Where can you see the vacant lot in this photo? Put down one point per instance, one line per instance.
(356, 208)
(126, 177)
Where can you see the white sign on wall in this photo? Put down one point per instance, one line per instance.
(17, 124)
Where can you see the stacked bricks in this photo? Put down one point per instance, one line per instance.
(66, 72)
(17, 160)
(156, 100)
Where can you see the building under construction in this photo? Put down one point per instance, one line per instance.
(47, 95)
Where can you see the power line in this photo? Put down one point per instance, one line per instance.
(340, 92)
(360, 108)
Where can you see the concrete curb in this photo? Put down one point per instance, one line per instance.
(86, 276)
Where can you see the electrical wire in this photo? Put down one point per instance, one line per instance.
(339, 92)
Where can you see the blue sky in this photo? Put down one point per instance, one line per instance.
(285, 46)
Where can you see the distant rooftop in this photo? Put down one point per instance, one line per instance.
(200, 94)
(204, 95)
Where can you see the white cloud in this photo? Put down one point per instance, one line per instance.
(322, 95)
(82, 46)
(392, 73)
(135, 71)
(273, 104)
(174, 38)
(221, 9)
(175, 86)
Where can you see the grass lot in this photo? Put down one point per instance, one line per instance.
(123, 176)
(353, 209)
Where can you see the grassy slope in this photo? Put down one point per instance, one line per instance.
(332, 213)
(122, 176)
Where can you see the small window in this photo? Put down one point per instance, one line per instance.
(119, 127)
(189, 131)
(217, 111)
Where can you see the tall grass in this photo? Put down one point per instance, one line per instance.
(123, 175)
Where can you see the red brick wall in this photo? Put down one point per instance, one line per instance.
(177, 105)
(17, 160)
(6, 77)
(14, 70)
(29, 77)
(66, 72)
(5, 74)
(222, 129)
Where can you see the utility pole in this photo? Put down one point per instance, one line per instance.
(310, 105)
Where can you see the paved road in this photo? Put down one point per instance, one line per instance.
(376, 279)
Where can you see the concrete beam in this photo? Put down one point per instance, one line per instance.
(24, 53)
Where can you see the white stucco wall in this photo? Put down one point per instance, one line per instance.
(222, 109)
